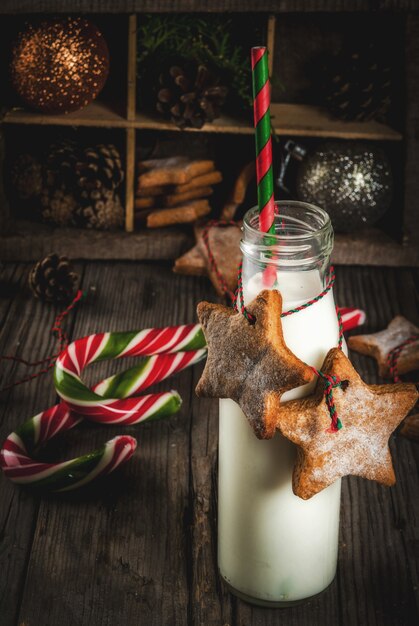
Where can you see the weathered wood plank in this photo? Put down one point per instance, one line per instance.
(140, 547)
(25, 332)
(129, 179)
(288, 119)
(373, 585)
(411, 219)
(404, 291)
(31, 241)
(211, 604)
(4, 204)
(167, 6)
(374, 553)
(131, 534)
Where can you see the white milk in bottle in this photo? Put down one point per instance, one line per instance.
(274, 548)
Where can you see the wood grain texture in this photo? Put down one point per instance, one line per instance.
(4, 205)
(140, 546)
(370, 539)
(132, 67)
(270, 42)
(411, 185)
(25, 332)
(30, 241)
(97, 114)
(302, 120)
(129, 179)
(167, 6)
(131, 536)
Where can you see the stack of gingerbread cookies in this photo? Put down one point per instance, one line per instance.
(174, 190)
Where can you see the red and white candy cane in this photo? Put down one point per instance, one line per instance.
(351, 318)
(168, 350)
(110, 402)
(16, 456)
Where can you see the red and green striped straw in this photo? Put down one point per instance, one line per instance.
(262, 121)
(262, 117)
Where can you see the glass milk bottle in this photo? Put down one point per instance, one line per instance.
(274, 548)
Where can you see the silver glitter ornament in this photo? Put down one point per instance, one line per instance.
(352, 181)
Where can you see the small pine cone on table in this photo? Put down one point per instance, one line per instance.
(53, 279)
(190, 95)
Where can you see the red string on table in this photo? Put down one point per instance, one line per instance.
(62, 338)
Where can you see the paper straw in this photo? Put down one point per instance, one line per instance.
(262, 121)
(263, 140)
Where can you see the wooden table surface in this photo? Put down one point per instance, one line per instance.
(139, 548)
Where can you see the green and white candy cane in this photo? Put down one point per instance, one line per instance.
(167, 351)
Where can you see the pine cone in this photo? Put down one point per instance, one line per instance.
(53, 279)
(61, 163)
(357, 84)
(59, 206)
(81, 186)
(100, 165)
(100, 208)
(26, 176)
(190, 95)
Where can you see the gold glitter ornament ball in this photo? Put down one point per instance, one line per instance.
(59, 65)
(352, 181)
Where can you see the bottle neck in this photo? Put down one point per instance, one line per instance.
(299, 250)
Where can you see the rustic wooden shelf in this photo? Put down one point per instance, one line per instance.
(299, 120)
(311, 121)
(97, 114)
(29, 241)
(287, 119)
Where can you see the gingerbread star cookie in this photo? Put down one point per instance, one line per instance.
(224, 243)
(379, 345)
(250, 362)
(368, 413)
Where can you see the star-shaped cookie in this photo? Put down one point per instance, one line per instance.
(369, 414)
(250, 362)
(224, 243)
(378, 345)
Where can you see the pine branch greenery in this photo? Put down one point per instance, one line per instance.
(208, 40)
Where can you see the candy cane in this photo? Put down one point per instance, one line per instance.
(168, 350)
(18, 464)
(107, 402)
(352, 318)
